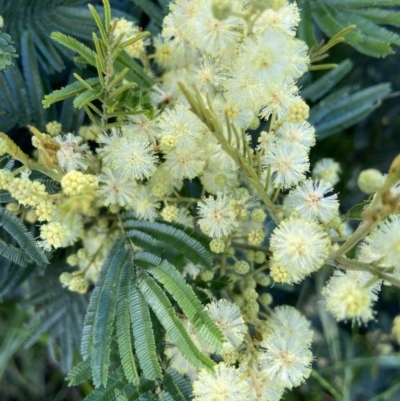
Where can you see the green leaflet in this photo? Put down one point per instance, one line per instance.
(95, 299)
(14, 105)
(78, 47)
(59, 314)
(183, 239)
(104, 317)
(11, 275)
(33, 79)
(368, 37)
(88, 96)
(18, 231)
(14, 254)
(355, 212)
(44, 320)
(132, 393)
(115, 384)
(68, 91)
(143, 333)
(177, 385)
(146, 241)
(176, 285)
(7, 51)
(323, 85)
(123, 326)
(166, 396)
(80, 373)
(361, 3)
(137, 72)
(381, 16)
(162, 308)
(342, 108)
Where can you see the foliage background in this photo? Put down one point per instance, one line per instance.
(28, 373)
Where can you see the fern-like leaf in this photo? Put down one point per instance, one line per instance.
(104, 317)
(368, 37)
(80, 373)
(176, 285)
(68, 91)
(115, 384)
(33, 79)
(182, 238)
(323, 85)
(71, 43)
(18, 231)
(162, 308)
(146, 241)
(12, 275)
(86, 342)
(14, 96)
(177, 386)
(138, 73)
(342, 109)
(132, 393)
(123, 326)
(143, 333)
(87, 97)
(14, 254)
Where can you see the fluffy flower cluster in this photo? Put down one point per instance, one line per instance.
(227, 68)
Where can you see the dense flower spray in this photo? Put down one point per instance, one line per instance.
(225, 152)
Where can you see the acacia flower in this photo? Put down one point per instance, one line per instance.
(285, 359)
(328, 170)
(299, 245)
(225, 383)
(217, 218)
(288, 163)
(310, 200)
(347, 297)
(115, 189)
(228, 318)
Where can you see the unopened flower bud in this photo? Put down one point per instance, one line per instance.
(242, 267)
(66, 278)
(265, 299)
(370, 181)
(168, 143)
(221, 9)
(207, 275)
(217, 245)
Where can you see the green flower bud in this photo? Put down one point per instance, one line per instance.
(370, 181)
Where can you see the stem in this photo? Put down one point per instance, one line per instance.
(19, 170)
(326, 385)
(276, 194)
(358, 235)
(209, 118)
(39, 167)
(350, 264)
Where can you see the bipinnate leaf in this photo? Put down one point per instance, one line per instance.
(184, 239)
(68, 91)
(123, 328)
(176, 285)
(104, 317)
(14, 226)
(145, 344)
(164, 311)
(80, 373)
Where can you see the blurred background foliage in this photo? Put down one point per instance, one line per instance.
(352, 363)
